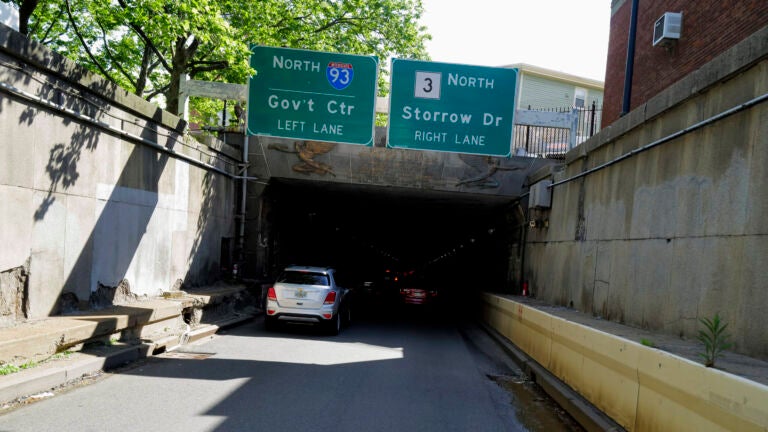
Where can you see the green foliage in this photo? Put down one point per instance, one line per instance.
(381, 119)
(145, 46)
(62, 355)
(714, 338)
(648, 343)
(8, 369)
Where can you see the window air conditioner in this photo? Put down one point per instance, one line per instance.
(667, 28)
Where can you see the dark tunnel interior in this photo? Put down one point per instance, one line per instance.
(373, 235)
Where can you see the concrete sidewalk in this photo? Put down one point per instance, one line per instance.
(65, 348)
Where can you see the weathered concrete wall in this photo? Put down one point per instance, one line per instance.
(98, 186)
(381, 166)
(676, 232)
(370, 166)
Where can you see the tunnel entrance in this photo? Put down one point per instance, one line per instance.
(462, 243)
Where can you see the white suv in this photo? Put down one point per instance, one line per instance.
(308, 295)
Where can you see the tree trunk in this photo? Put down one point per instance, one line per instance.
(179, 64)
(141, 82)
(25, 12)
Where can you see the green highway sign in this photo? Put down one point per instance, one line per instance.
(451, 107)
(311, 95)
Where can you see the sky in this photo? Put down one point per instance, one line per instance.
(569, 36)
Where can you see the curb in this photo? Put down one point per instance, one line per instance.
(586, 414)
(47, 377)
(211, 329)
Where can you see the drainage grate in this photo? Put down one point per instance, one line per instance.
(185, 355)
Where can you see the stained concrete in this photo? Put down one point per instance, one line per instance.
(678, 228)
(95, 206)
(643, 380)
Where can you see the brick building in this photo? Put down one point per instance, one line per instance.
(709, 27)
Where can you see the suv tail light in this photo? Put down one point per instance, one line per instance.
(330, 298)
(271, 295)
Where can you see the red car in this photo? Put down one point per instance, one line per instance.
(416, 290)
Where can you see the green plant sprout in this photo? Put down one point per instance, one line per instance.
(8, 369)
(714, 338)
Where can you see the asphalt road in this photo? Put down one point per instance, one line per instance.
(405, 374)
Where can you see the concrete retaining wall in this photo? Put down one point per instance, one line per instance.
(641, 388)
(676, 232)
(99, 187)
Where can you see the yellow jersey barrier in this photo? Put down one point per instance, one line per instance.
(639, 387)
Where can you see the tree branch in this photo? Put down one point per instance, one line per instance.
(207, 67)
(44, 40)
(116, 64)
(280, 23)
(336, 21)
(157, 92)
(332, 23)
(85, 46)
(51, 25)
(141, 82)
(146, 40)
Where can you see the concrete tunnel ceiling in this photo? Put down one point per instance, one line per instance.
(342, 224)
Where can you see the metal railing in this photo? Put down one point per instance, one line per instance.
(551, 142)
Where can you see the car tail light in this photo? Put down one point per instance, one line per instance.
(433, 293)
(270, 311)
(327, 316)
(330, 298)
(271, 295)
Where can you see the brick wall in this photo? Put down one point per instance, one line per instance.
(709, 28)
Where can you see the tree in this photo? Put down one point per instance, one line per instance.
(146, 46)
(142, 45)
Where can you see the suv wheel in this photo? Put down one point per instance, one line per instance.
(270, 324)
(334, 325)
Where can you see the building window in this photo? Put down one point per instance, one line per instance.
(579, 98)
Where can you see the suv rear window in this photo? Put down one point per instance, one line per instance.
(304, 278)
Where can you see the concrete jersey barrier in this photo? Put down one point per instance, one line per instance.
(640, 387)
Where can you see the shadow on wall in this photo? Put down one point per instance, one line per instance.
(127, 241)
(63, 159)
(62, 165)
(127, 210)
(203, 268)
